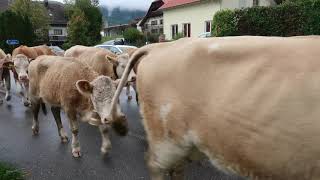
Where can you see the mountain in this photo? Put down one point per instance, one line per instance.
(117, 15)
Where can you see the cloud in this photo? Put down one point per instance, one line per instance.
(125, 4)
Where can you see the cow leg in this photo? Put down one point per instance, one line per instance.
(106, 144)
(57, 117)
(23, 93)
(35, 109)
(74, 126)
(7, 83)
(128, 91)
(162, 157)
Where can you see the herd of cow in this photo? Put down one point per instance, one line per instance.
(249, 104)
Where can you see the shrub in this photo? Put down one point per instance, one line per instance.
(287, 19)
(132, 35)
(21, 30)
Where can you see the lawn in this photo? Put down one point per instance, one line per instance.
(8, 172)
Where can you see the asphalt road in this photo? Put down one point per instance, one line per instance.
(45, 158)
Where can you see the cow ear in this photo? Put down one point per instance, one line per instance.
(84, 87)
(112, 60)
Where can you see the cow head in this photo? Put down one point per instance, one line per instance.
(101, 91)
(21, 64)
(120, 62)
(6, 62)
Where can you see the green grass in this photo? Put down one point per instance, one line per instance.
(8, 172)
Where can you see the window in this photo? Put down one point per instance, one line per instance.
(161, 21)
(242, 3)
(174, 30)
(57, 31)
(155, 22)
(208, 26)
(154, 31)
(161, 30)
(187, 30)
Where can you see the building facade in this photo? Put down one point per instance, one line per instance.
(152, 23)
(192, 18)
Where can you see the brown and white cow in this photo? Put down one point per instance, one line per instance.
(21, 57)
(67, 84)
(249, 104)
(5, 67)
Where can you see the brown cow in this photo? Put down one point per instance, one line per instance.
(68, 84)
(21, 57)
(249, 104)
(5, 67)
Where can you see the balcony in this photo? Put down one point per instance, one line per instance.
(54, 38)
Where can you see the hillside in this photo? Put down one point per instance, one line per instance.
(120, 16)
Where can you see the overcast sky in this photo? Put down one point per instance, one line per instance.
(128, 4)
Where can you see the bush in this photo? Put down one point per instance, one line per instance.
(287, 19)
(9, 173)
(15, 26)
(132, 35)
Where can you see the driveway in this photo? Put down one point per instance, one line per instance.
(45, 158)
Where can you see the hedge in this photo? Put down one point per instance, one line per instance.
(287, 19)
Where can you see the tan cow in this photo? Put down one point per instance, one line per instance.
(5, 67)
(102, 61)
(21, 57)
(94, 57)
(67, 84)
(249, 104)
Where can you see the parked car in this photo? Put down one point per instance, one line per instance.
(117, 49)
(57, 50)
(205, 35)
(117, 41)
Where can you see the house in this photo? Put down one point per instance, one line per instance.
(117, 30)
(58, 22)
(153, 20)
(194, 17)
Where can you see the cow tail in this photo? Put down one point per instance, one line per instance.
(133, 60)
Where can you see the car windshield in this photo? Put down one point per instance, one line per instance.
(124, 49)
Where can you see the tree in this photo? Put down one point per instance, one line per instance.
(37, 14)
(92, 16)
(21, 30)
(132, 35)
(78, 29)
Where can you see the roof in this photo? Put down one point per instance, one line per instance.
(175, 3)
(56, 13)
(155, 5)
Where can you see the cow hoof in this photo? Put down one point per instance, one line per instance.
(8, 97)
(105, 150)
(76, 153)
(129, 98)
(64, 140)
(35, 131)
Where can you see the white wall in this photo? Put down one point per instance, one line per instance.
(196, 15)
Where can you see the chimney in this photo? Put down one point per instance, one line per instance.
(46, 3)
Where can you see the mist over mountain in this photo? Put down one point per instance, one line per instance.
(115, 16)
